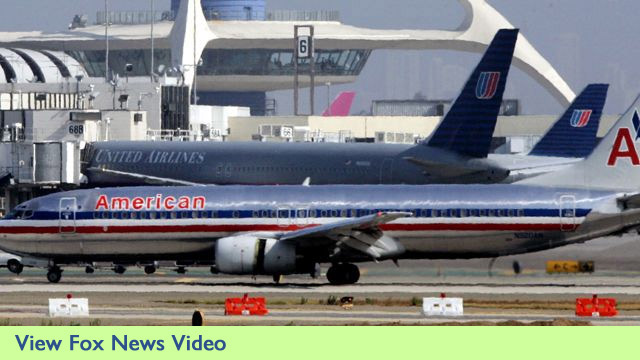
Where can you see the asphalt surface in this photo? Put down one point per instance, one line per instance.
(385, 294)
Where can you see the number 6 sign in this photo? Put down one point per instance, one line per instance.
(304, 47)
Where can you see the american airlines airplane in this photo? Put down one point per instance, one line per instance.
(457, 151)
(275, 230)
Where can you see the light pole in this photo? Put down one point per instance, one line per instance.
(328, 97)
(153, 20)
(106, 40)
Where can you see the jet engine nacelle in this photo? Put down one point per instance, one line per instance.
(254, 255)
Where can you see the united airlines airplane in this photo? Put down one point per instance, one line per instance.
(457, 151)
(571, 138)
(275, 230)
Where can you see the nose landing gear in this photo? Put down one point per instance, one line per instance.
(343, 274)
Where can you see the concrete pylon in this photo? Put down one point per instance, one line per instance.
(482, 22)
(189, 36)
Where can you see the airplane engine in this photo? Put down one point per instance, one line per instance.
(254, 255)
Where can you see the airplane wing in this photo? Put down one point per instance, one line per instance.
(152, 180)
(362, 234)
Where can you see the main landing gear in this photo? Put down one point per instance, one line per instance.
(343, 274)
(54, 274)
(15, 266)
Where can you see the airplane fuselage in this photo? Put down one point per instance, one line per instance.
(448, 221)
(256, 163)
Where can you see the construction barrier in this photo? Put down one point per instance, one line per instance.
(68, 307)
(596, 306)
(570, 267)
(245, 306)
(442, 306)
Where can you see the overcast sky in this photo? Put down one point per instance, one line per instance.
(586, 40)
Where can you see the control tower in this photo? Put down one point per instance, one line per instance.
(229, 9)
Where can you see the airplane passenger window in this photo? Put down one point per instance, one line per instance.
(463, 213)
(125, 215)
(163, 215)
(96, 215)
(194, 214)
(510, 213)
(264, 214)
(312, 213)
(134, 215)
(105, 215)
(236, 214)
(491, 213)
(520, 212)
(483, 212)
(500, 212)
(334, 213)
(153, 215)
(174, 215)
(184, 215)
(343, 213)
(143, 215)
(255, 214)
(473, 212)
(214, 214)
(324, 213)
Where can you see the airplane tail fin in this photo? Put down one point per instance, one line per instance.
(614, 164)
(341, 105)
(468, 127)
(574, 134)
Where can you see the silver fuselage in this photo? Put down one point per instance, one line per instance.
(450, 221)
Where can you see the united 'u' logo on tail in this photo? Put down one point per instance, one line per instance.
(580, 118)
(487, 85)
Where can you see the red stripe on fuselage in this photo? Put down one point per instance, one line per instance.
(118, 229)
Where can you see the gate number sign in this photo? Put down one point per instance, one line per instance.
(304, 46)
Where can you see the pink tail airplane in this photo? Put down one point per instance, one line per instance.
(341, 105)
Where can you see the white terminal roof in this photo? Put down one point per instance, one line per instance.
(480, 25)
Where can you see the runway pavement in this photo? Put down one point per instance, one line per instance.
(385, 294)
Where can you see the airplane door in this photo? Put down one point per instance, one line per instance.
(567, 213)
(386, 171)
(67, 219)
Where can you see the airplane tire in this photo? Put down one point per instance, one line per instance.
(54, 275)
(149, 269)
(343, 274)
(15, 266)
(119, 269)
(89, 270)
(181, 270)
(277, 278)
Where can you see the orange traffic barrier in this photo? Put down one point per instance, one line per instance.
(245, 306)
(596, 307)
